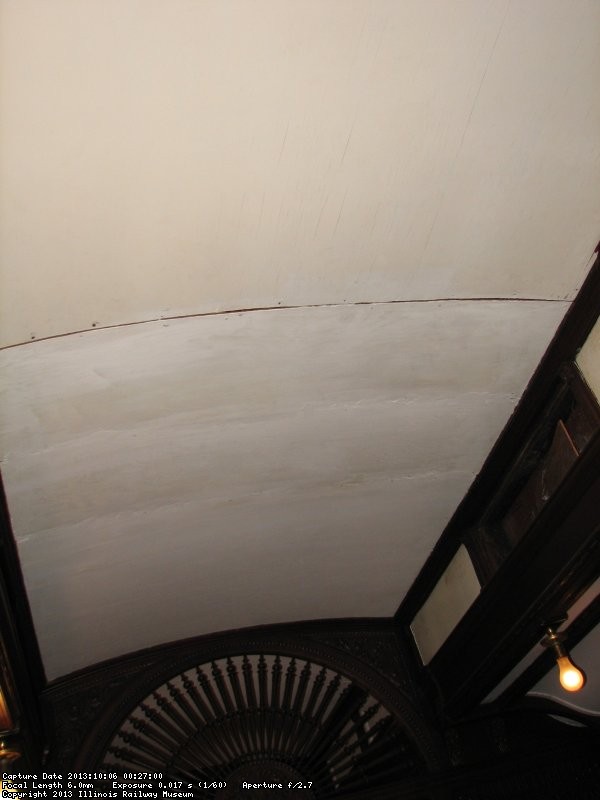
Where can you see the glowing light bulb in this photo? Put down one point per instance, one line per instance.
(571, 678)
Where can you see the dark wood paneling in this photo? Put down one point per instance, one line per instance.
(10, 568)
(554, 563)
(23, 671)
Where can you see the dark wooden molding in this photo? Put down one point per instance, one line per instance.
(24, 676)
(10, 567)
(563, 349)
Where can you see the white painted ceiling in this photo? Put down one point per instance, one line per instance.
(410, 193)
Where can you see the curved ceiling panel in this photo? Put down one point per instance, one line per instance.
(172, 479)
(168, 157)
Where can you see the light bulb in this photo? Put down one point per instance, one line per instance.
(571, 678)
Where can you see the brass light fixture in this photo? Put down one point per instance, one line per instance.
(572, 679)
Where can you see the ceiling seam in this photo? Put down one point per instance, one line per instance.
(255, 309)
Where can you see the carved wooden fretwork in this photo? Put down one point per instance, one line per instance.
(277, 718)
(85, 711)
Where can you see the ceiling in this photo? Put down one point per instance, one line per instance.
(273, 278)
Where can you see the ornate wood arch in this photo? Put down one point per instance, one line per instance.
(371, 729)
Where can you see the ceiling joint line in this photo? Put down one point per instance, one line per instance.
(255, 309)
